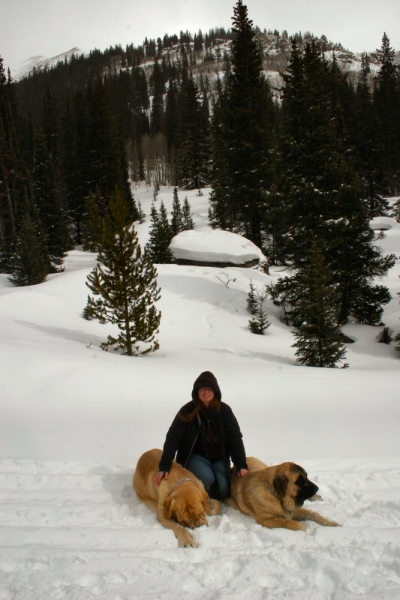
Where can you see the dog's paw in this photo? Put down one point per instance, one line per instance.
(332, 524)
(186, 540)
(316, 498)
(215, 506)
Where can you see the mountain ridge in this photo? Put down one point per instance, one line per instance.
(275, 48)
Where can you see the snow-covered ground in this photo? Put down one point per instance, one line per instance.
(75, 419)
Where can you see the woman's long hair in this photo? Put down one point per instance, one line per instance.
(215, 404)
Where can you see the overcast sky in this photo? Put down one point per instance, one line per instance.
(50, 27)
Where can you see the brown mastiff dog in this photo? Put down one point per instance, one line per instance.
(274, 496)
(179, 501)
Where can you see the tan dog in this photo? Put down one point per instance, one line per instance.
(274, 496)
(179, 501)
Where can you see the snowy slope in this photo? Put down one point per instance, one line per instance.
(74, 421)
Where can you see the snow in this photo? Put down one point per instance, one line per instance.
(215, 246)
(383, 223)
(75, 420)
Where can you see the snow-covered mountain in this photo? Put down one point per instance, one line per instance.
(40, 62)
(275, 47)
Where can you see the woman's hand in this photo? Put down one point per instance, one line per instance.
(242, 472)
(161, 475)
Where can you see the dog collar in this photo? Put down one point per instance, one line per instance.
(178, 483)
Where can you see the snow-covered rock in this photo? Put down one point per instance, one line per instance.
(214, 246)
(383, 223)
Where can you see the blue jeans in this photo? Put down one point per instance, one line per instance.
(209, 472)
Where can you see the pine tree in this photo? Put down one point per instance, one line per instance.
(156, 189)
(249, 125)
(396, 211)
(324, 199)
(397, 337)
(157, 107)
(94, 219)
(75, 189)
(259, 323)
(222, 214)
(49, 201)
(30, 262)
(187, 220)
(368, 144)
(160, 237)
(171, 129)
(14, 177)
(107, 166)
(194, 142)
(318, 339)
(387, 102)
(252, 303)
(177, 216)
(124, 284)
(141, 214)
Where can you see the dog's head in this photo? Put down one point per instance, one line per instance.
(292, 485)
(189, 506)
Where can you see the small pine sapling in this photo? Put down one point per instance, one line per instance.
(259, 323)
(252, 302)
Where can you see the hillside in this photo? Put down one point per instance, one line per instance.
(209, 59)
(76, 419)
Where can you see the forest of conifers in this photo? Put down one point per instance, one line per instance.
(297, 168)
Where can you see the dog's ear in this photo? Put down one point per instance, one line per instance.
(169, 507)
(280, 483)
(206, 500)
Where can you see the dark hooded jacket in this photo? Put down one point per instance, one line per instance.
(183, 436)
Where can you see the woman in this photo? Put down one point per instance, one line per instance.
(205, 436)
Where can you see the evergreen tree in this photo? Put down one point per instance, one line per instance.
(171, 129)
(249, 125)
(177, 216)
(396, 211)
(259, 323)
(187, 220)
(157, 106)
(73, 166)
(397, 337)
(323, 196)
(13, 172)
(222, 213)
(49, 201)
(141, 214)
(387, 102)
(94, 220)
(318, 338)
(156, 189)
(107, 166)
(124, 284)
(30, 263)
(160, 237)
(194, 143)
(252, 303)
(368, 144)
